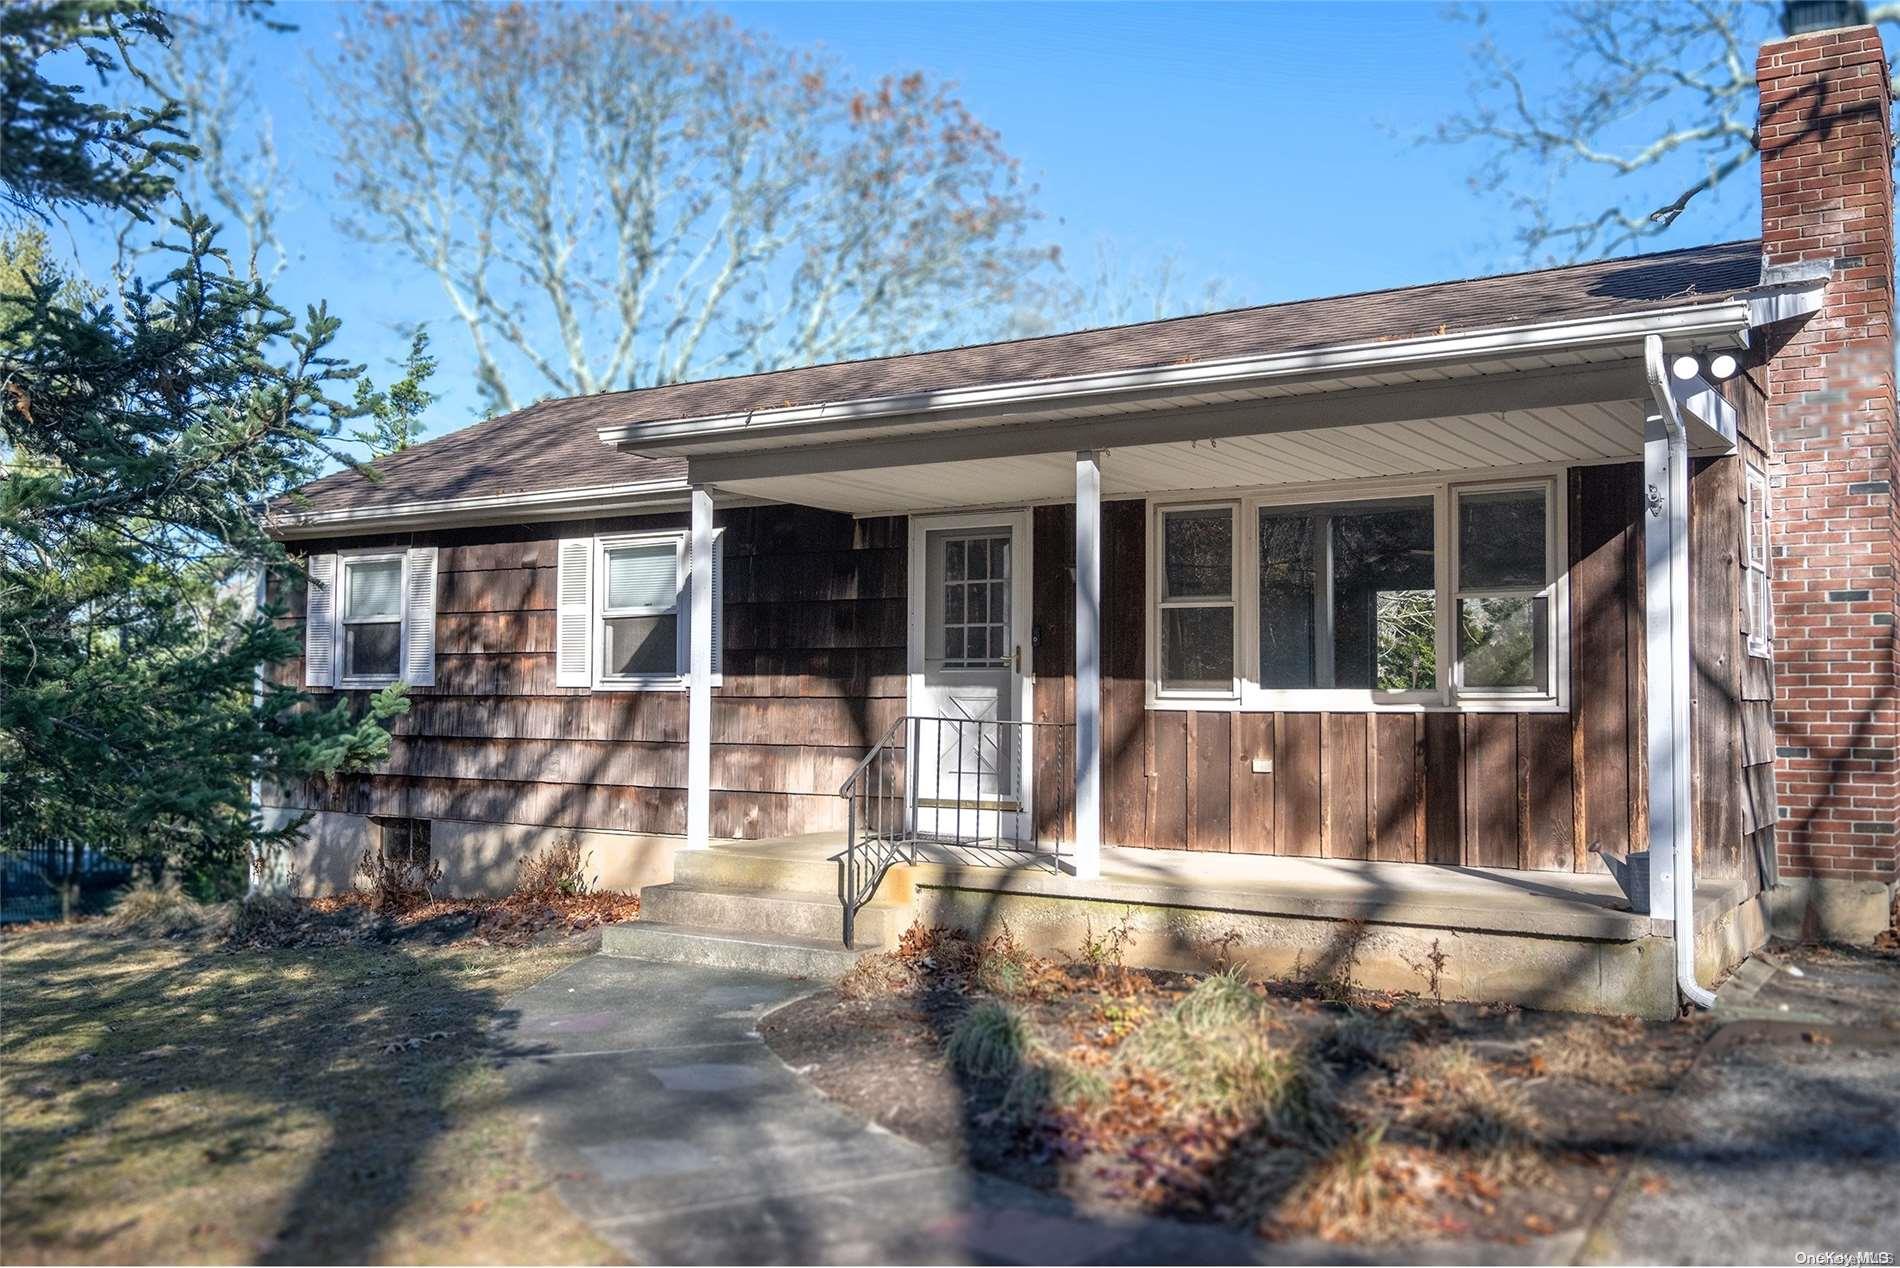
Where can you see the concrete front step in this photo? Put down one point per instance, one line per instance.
(757, 870)
(784, 956)
(769, 912)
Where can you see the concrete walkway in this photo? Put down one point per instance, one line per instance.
(680, 1138)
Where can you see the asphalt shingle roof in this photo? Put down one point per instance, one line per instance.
(553, 445)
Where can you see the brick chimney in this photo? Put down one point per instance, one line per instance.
(1827, 198)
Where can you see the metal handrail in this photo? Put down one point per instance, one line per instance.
(882, 800)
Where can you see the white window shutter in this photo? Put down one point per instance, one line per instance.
(718, 609)
(719, 604)
(574, 615)
(319, 622)
(418, 617)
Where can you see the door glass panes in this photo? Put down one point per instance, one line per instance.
(974, 601)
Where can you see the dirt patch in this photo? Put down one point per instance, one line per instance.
(1293, 1110)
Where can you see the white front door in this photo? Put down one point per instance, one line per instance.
(969, 643)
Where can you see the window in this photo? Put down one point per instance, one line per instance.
(1504, 592)
(639, 610)
(1417, 595)
(1197, 610)
(973, 615)
(404, 841)
(1348, 596)
(1757, 514)
(371, 618)
(623, 620)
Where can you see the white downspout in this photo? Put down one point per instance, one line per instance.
(1666, 556)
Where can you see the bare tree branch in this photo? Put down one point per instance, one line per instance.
(648, 195)
(1660, 97)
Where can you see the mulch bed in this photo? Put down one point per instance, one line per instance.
(516, 920)
(1432, 1120)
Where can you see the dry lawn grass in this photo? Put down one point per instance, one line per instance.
(184, 1101)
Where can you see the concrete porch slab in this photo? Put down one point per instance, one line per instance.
(1503, 900)
(1549, 940)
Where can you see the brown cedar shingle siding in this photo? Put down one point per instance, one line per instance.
(814, 670)
(553, 445)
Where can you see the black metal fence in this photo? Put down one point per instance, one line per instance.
(34, 874)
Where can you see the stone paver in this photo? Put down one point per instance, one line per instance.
(680, 1138)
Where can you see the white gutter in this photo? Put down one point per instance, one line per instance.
(1666, 617)
(1725, 319)
(498, 508)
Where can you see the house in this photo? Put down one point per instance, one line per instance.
(1524, 637)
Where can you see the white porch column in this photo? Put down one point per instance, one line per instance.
(699, 664)
(1088, 664)
(1666, 642)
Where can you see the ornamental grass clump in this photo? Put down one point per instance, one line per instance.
(990, 1041)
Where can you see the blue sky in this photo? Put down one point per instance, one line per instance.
(1270, 145)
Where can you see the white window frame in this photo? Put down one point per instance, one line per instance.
(1757, 560)
(1157, 516)
(681, 542)
(1248, 695)
(1554, 628)
(345, 560)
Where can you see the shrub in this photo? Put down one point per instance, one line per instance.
(557, 871)
(264, 916)
(875, 977)
(160, 910)
(1004, 968)
(989, 1041)
(395, 881)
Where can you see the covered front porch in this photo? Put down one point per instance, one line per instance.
(1199, 645)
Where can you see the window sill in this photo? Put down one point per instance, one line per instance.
(1326, 702)
(649, 684)
(366, 684)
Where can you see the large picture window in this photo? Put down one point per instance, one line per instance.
(1438, 595)
(1348, 596)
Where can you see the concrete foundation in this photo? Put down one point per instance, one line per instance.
(1825, 909)
(478, 859)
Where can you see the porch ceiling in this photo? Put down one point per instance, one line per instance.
(1576, 433)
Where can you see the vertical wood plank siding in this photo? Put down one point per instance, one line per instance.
(1530, 791)
(813, 674)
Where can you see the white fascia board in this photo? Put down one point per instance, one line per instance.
(499, 508)
(1723, 319)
